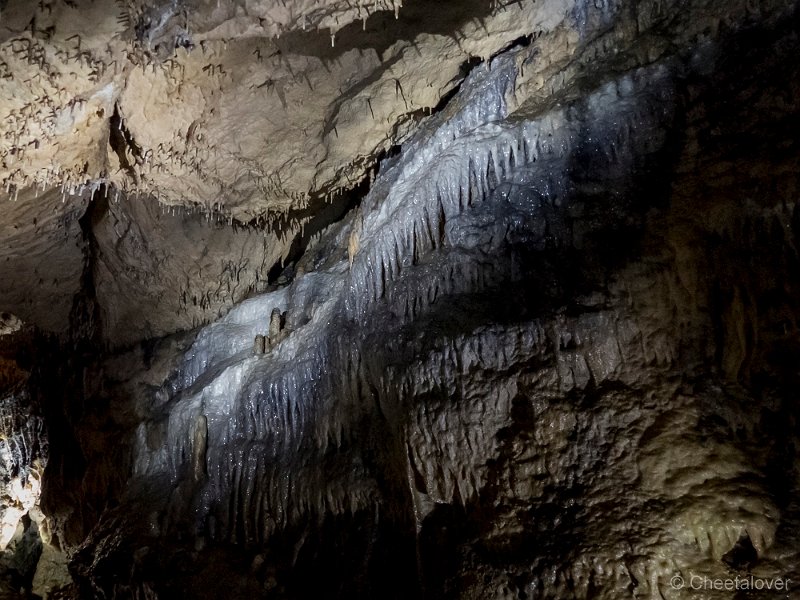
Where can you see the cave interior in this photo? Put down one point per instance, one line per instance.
(384, 299)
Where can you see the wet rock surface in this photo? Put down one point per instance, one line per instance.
(552, 353)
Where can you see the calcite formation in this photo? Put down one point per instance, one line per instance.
(246, 110)
(369, 300)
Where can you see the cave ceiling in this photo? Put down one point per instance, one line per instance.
(257, 115)
(253, 113)
(454, 299)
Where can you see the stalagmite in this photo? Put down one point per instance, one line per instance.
(199, 447)
(259, 345)
(275, 326)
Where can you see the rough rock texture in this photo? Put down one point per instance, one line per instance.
(247, 108)
(42, 252)
(172, 269)
(144, 270)
(551, 353)
(241, 112)
(23, 457)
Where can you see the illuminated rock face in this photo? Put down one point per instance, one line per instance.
(23, 457)
(549, 351)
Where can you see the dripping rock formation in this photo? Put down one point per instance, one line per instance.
(382, 299)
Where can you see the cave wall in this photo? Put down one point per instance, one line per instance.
(548, 351)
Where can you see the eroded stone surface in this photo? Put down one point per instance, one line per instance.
(552, 354)
(244, 109)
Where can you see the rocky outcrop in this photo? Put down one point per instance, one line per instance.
(23, 457)
(247, 116)
(247, 109)
(550, 354)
